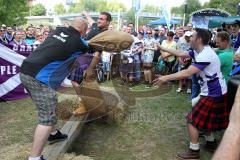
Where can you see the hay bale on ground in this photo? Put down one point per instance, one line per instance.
(101, 104)
(67, 103)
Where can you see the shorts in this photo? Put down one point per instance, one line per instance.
(106, 67)
(148, 57)
(44, 97)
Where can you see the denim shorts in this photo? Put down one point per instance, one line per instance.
(44, 97)
(106, 67)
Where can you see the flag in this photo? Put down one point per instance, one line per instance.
(167, 13)
(11, 58)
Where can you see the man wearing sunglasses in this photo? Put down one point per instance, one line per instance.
(2, 37)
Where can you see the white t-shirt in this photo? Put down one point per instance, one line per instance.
(210, 77)
(129, 52)
(106, 56)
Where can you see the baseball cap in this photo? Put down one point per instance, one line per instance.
(188, 34)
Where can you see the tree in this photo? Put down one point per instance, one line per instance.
(114, 6)
(59, 9)
(38, 10)
(192, 6)
(13, 12)
(130, 16)
(76, 8)
(151, 8)
(97, 5)
(229, 6)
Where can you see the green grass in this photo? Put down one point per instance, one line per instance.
(154, 129)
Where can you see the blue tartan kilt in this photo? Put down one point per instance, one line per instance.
(81, 64)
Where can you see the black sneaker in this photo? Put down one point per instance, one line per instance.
(41, 158)
(201, 134)
(57, 137)
(210, 146)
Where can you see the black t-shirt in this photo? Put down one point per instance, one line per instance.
(94, 31)
(53, 60)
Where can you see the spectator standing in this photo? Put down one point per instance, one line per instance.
(184, 62)
(17, 39)
(9, 34)
(225, 53)
(2, 37)
(149, 48)
(167, 57)
(235, 36)
(106, 59)
(39, 39)
(45, 35)
(30, 37)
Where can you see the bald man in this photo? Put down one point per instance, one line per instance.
(43, 72)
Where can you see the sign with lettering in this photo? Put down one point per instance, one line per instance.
(11, 58)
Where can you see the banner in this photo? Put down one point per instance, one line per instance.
(11, 58)
(136, 5)
(167, 13)
(200, 22)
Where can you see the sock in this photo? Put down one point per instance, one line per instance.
(34, 158)
(194, 147)
(209, 137)
(54, 132)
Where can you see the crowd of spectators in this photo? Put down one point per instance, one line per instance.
(31, 35)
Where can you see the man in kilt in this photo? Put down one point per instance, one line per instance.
(210, 113)
(103, 22)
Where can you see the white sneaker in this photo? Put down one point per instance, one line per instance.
(189, 91)
(179, 90)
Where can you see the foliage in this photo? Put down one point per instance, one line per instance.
(38, 10)
(151, 8)
(192, 6)
(13, 12)
(226, 5)
(59, 9)
(97, 6)
(130, 16)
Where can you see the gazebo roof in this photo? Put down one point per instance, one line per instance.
(211, 12)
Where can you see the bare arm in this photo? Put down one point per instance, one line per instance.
(178, 53)
(229, 147)
(237, 57)
(177, 76)
(89, 19)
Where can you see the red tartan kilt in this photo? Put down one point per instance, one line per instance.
(210, 113)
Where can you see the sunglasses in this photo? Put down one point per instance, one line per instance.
(149, 33)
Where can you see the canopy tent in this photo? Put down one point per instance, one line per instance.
(215, 22)
(210, 12)
(200, 18)
(162, 21)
